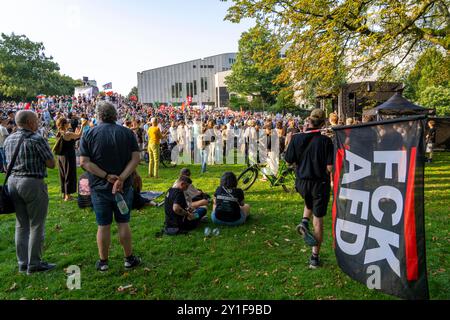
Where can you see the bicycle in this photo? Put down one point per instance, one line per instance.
(284, 178)
(166, 155)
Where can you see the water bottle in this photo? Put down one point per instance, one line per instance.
(207, 232)
(216, 232)
(196, 215)
(121, 204)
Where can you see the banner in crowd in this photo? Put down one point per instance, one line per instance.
(107, 86)
(378, 207)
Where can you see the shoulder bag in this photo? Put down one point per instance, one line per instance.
(6, 203)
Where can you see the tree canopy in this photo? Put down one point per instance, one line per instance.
(133, 92)
(333, 40)
(26, 71)
(432, 69)
(251, 77)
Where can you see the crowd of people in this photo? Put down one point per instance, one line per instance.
(110, 136)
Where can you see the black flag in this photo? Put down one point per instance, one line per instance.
(378, 207)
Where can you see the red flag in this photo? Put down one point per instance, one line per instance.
(28, 106)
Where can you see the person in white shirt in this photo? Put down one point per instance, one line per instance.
(173, 134)
(173, 140)
(219, 145)
(195, 133)
(212, 145)
(3, 135)
(187, 156)
(251, 137)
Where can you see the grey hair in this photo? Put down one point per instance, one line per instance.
(106, 112)
(23, 116)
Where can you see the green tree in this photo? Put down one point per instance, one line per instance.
(133, 92)
(437, 97)
(332, 40)
(58, 84)
(237, 102)
(256, 68)
(285, 101)
(432, 69)
(26, 71)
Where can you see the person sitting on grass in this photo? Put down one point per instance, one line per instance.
(180, 218)
(195, 198)
(229, 208)
(139, 201)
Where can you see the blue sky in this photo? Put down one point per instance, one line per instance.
(110, 41)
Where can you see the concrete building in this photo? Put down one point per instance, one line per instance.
(197, 79)
(222, 95)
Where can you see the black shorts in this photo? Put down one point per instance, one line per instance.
(316, 195)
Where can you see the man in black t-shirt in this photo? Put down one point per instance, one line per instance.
(312, 153)
(179, 217)
(110, 154)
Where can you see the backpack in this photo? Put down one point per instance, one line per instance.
(84, 192)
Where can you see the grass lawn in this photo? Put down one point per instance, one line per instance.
(264, 259)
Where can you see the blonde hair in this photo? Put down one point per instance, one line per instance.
(349, 121)
(333, 118)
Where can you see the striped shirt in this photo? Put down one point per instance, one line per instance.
(33, 154)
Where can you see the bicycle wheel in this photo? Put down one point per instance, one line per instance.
(166, 159)
(247, 178)
(287, 181)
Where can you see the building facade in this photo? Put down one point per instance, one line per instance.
(173, 84)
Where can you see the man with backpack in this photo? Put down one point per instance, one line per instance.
(312, 153)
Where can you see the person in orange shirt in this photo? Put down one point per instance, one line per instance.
(154, 141)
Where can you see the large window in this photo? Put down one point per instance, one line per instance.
(189, 89)
(195, 87)
(177, 90)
